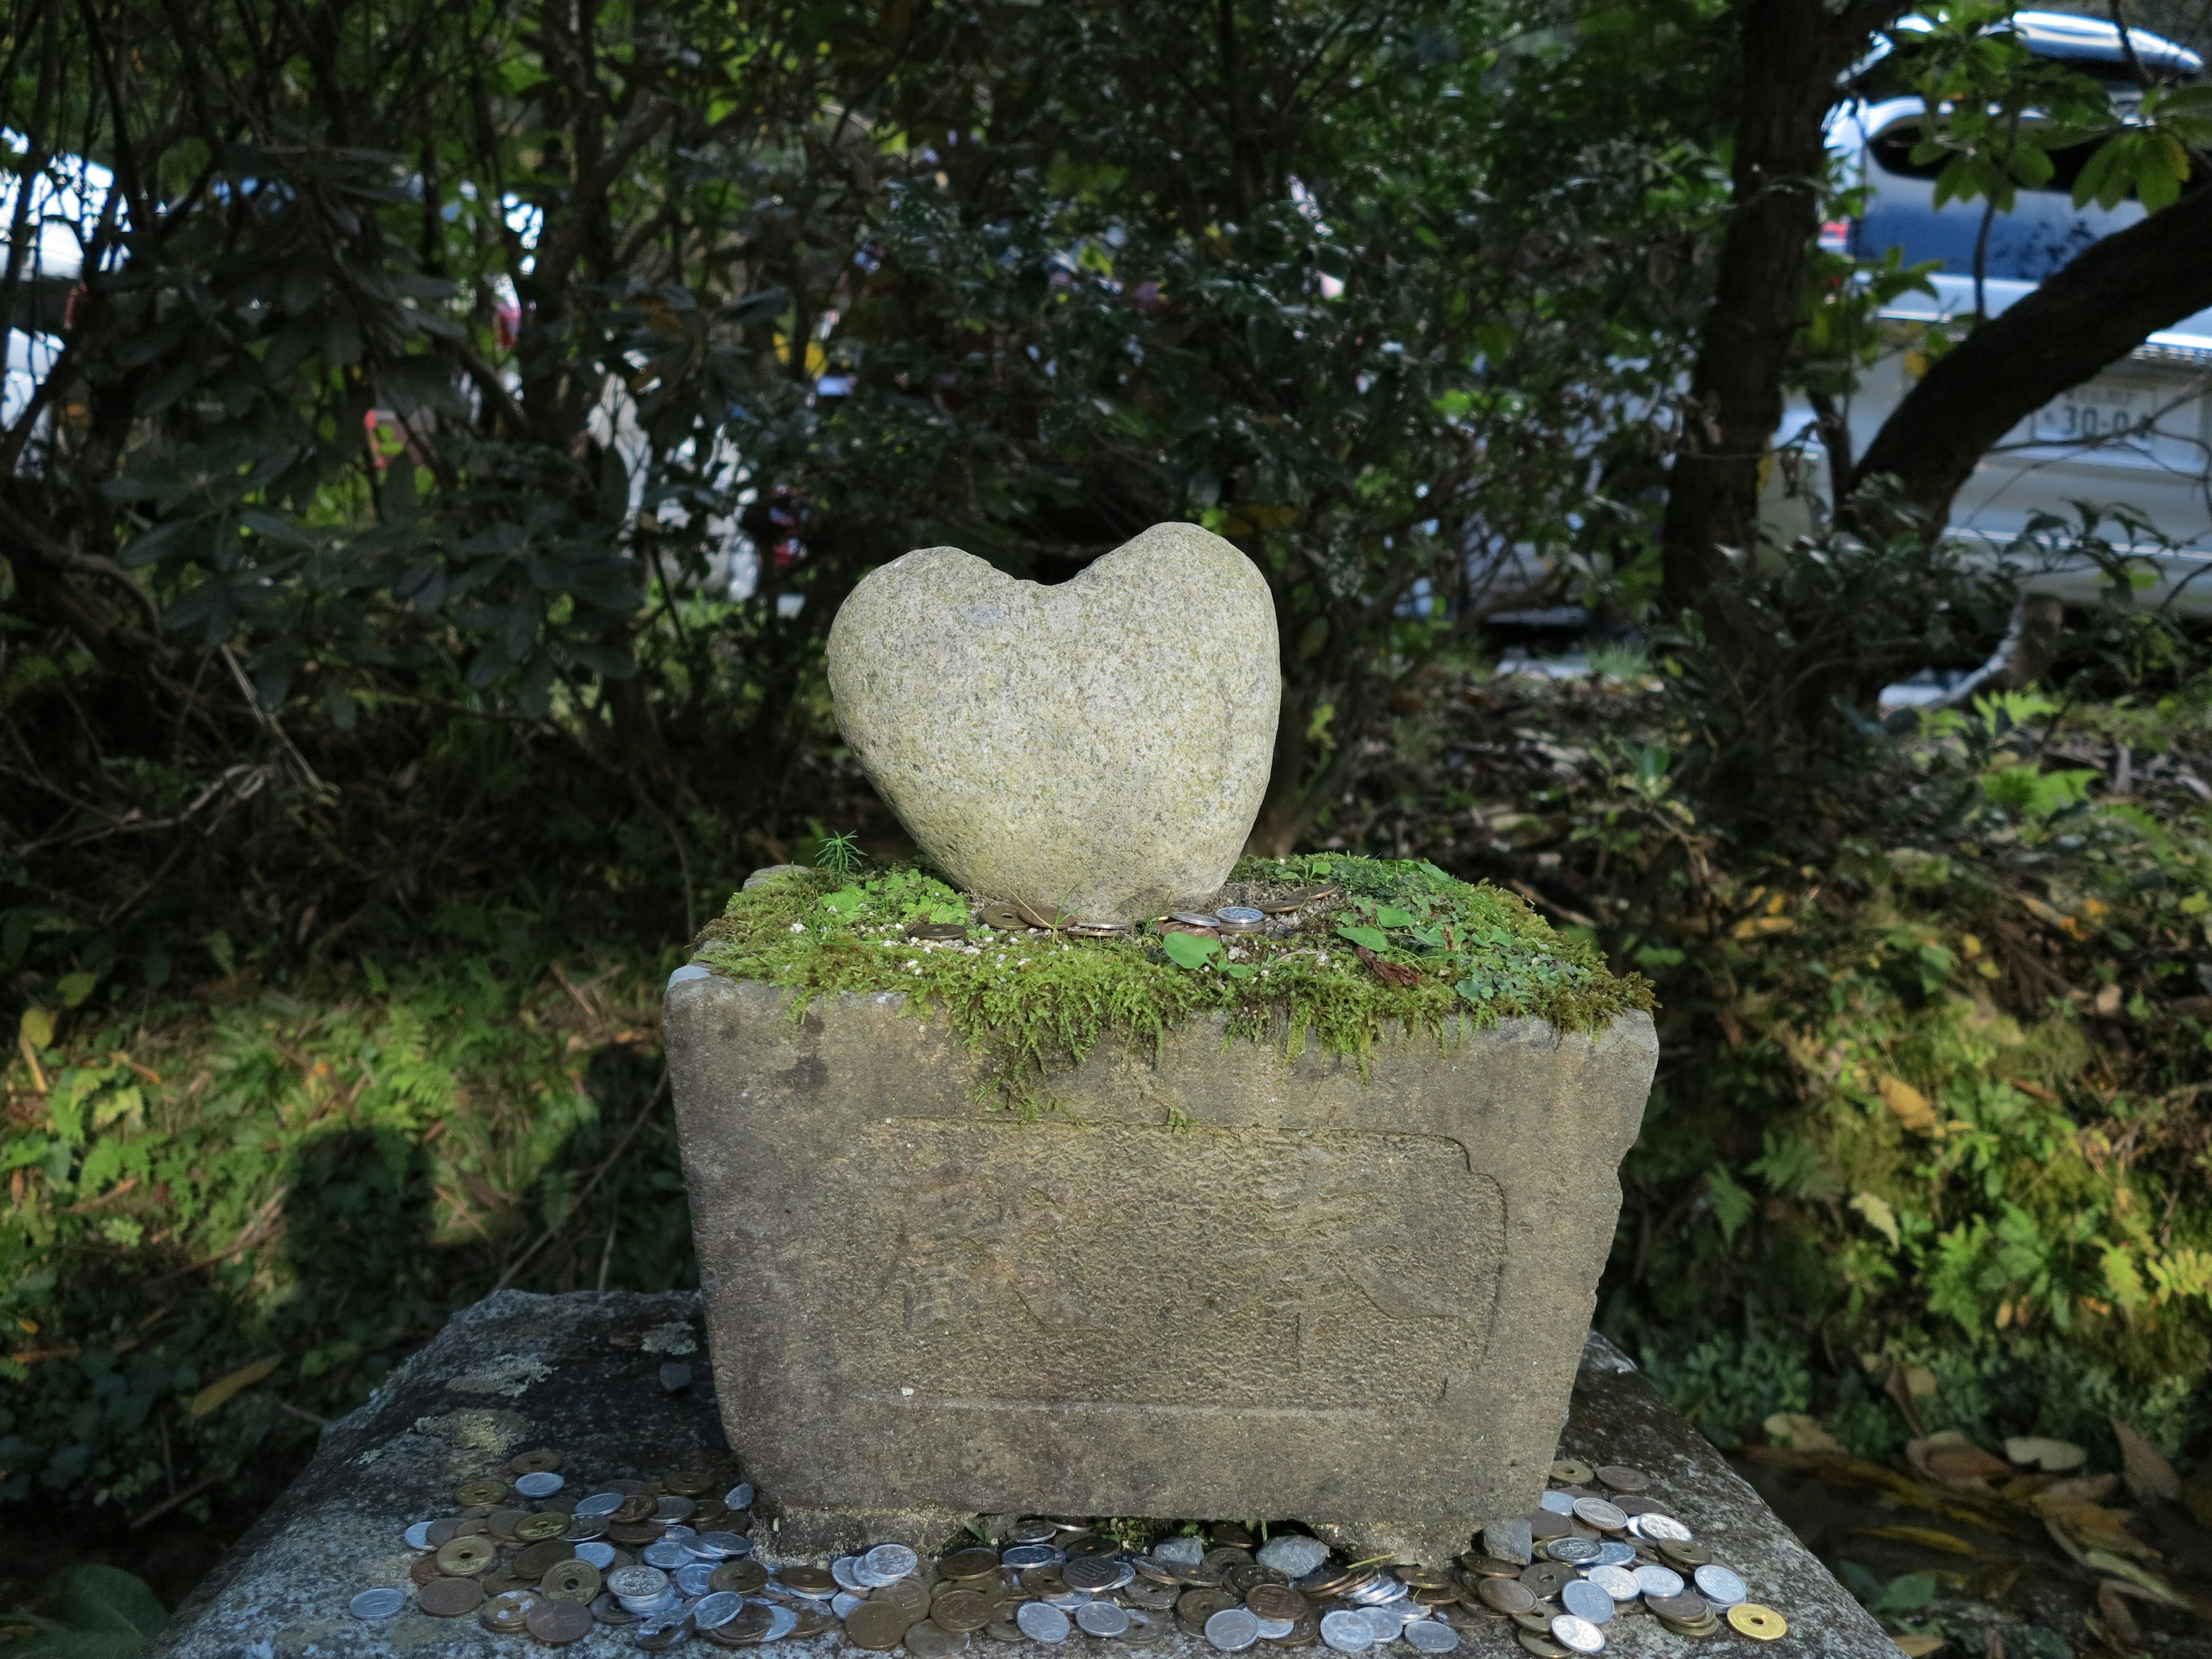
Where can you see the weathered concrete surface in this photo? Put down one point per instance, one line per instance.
(1230, 1284)
(584, 1375)
(1099, 747)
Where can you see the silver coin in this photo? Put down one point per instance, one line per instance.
(1660, 1529)
(417, 1537)
(1381, 1590)
(1040, 1623)
(586, 1526)
(843, 1570)
(1232, 1629)
(1580, 1634)
(739, 1497)
(668, 1553)
(1274, 1629)
(675, 1529)
(1600, 1514)
(1558, 1503)
(600, 1555)
(652, 1607)
(719, 1546)
(1614, 1555)
(1432, 1636)
(377, 1603)
(1346, 1631)
(1194, 918)
(656, 1633)
(1617, 1581)
(1033, 1555)
(691, 1578)
(717, 1610)
(600, 1503)
(867, 1578)
(1719, 1586)
(1384, 1622)
(1124, 1573)
(1586, 1599)
(1068, 1600)
(644, 1583)
(1577, 1552)
(781, 1622)
(844, 1601)
(1101, 1619)
(1654, 1580)
(544, 1484)
(897, 1559)
(1241, 913)
(674, 1507)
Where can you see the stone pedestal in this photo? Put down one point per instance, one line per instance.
(583, 1373)
(1226, 1283)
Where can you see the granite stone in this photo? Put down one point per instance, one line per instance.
(1222, 1281)
(581, 1368)
(1099, 747)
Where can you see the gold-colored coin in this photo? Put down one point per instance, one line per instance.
(636, 1506)
(465, 1558)
(533, 1528)
(500, 1580)
(877, 1624)
(1275, 1601)
(503, 1522)
(746, 1577)
(535, 1463)
(469, 1493)
(808, 1581)
(810, 1621)
(1760, 1624)
(571, 1581)
(530, 1564)
(688, 1483)
(1422, 1578)
(910, 1595)
(505, 1615)
(1568, 1472)
(928, 1639)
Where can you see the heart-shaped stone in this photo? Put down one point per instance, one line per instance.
(1098, 748)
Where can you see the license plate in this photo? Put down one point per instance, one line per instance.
(2124, 416)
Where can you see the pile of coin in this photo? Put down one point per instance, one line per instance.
(666, 1562)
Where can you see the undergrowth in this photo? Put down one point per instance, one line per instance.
(1442, 957)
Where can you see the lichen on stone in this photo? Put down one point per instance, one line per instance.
(1399, 945)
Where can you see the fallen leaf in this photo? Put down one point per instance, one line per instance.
(1918, 1646)
(2035, 1451)
(1949, 1457)
(2081, 1488)
(2149, 1475)
(1907, 1104)
(1926, 1537)
(1797, 1429)
(2120, 1627)
(217, 1394)
(1390, 972)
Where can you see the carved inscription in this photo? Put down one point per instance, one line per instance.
(1339, 1270)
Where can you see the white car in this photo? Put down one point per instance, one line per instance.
(2139, 435)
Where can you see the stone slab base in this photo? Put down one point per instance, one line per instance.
(581, 1373)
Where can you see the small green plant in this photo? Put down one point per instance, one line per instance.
(841, 855)
(106, 1614)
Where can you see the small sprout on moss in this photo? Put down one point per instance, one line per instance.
(841, 855)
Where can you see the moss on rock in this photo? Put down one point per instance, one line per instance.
(1395, 944)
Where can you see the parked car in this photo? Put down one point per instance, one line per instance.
(2139, 434)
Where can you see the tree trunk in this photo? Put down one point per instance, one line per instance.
(1790, 53)
(2101, 307)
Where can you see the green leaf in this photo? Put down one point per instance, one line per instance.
(1190, 950)
(76, 988)
(1373, 939)
(1732, 1205)
(106, 1613)
(1387, 917)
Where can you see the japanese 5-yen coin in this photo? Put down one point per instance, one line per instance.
(571, 1581)
(465, 1558)
(1760, 1624)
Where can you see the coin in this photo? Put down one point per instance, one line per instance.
(1089, 1572)
(878, 1624)
(716, 1610)
(1685, 1607)
(1541, 1644)
(1100, 929)
(571, 1580)
(633, 1583)
(1719, 1586)
(535, 1529)
(465, 1558)
(1346, 1631)
(377, 1603)
(1242, 919)
(1653, 1580)
(504, 1614)
(968, 1564)
(1429, 1636)
(1659, 1529)
(1577, 1635)
(1617, 1581)
(719, 1546)
(961, 1610)
(1275, 1601)
(1759, 1623)
(1041, 1622)
(1232, 1629)
(1597, 1512)
(807, 1581)
(601, 1503)
(1575, 1552)
(928, 1639)
(1569, 1473)
(910, 1595)
(937, 930)
(1546, 1578)
(746, 1577)
(1506, 1594)
(1680, 1554)
(559, 1622)
(449, 1598)
(425, 1568)
(1587, 1600)
(534, 1463)
(469, 1493)
(1621, 1477)
(1546, 1524)
(1101, 1619)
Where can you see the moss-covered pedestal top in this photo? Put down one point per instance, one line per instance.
(1394, 944)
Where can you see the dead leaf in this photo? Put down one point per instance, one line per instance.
(1390, 972)
(1927, 1537)
(2120, 1627)
(1918, 1646)
(2035, 1451)
(1805, 1433)
(2149, 1475)
(217, 1394)
(1949, 1457)
(1907, 1104)
(2081, 1488)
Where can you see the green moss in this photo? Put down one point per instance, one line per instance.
(1035, 1002)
